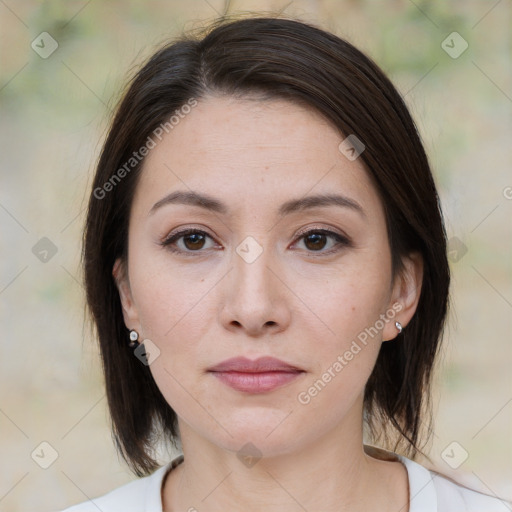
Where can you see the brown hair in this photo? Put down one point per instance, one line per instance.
(293, 60)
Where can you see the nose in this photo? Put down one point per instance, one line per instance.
(256, 300)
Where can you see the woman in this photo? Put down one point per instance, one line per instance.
(265, 263)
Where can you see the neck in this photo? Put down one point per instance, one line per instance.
(331, 474)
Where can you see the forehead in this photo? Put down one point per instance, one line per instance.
(251, 152)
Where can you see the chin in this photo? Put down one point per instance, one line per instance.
(265, 437)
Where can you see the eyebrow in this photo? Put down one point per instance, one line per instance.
(294, 205)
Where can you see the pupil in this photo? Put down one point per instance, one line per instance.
(318, 237)
(196, 237)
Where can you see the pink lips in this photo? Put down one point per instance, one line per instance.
(263, 374)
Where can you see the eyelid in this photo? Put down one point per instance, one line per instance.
(186, 230)
(176, 235)
(321, 228)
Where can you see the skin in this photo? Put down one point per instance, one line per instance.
(301, 305)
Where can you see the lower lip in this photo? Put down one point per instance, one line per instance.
(256, 382)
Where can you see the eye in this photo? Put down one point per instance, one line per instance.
(193, 241)
(315, 240)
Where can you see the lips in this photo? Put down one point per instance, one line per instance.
(259, 376)
(260, 365)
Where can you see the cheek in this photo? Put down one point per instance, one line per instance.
(343, 302)
(175, 311)
(345, 356)
(168, 297)
(342, 333)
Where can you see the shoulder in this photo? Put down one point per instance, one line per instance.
(433, 491)
(452, 494)
(141, 494)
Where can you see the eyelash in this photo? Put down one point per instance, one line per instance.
(341, 240)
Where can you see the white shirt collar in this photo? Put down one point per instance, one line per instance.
(153, 498)
(422, 491)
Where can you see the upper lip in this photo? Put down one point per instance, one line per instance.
(262, 364)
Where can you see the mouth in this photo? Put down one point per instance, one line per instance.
(257, 382)
(262, 364)
(259, 376)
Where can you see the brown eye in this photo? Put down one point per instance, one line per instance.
(187, 242)
(315, 241)
(194, 241)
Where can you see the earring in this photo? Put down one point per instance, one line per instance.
(134, 336)
(399, 327)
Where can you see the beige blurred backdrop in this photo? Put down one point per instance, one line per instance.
(54, 110)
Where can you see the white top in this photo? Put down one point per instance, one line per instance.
(428, 491)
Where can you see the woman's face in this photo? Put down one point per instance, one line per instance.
(270, 271)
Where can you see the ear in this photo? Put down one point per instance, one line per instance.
(406, 291)
(130, 314)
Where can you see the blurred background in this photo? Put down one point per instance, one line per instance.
(62, 66)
